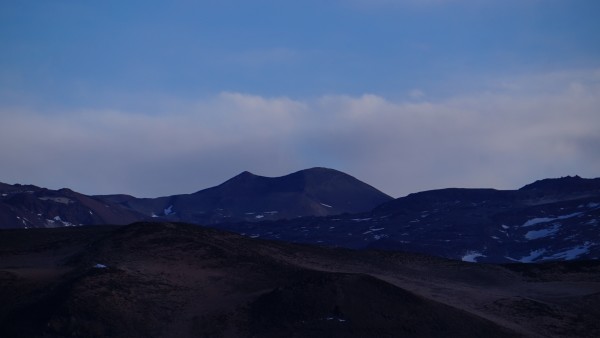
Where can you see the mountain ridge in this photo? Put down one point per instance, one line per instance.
(245, 197)
(478, 225)
(550, 219)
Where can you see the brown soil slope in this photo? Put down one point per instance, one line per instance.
(177, 280)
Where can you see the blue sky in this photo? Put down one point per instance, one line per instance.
(163, 97)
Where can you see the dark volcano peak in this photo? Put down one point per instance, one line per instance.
(246, 173)
(310, 192)
(321, 171)
(243, 176)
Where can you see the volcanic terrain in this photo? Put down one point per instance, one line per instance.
(178, 280)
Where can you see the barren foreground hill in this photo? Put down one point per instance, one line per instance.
(178, 280)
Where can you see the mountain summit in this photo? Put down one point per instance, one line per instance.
(250, 197)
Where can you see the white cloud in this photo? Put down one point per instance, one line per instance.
(530, 128)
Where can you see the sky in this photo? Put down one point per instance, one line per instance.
(153, 98)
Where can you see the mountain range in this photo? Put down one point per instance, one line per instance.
(245, 197)
(550, 219)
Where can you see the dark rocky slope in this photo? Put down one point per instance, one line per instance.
(175, 280)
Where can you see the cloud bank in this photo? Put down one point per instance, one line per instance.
(540, 126)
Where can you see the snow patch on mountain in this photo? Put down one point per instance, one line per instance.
(572, 253)
(539, 220)
(53, 222)
(372, 230)
(533, 255)
(472, 256)
(535, 234)
(62, 200)
(593, 222)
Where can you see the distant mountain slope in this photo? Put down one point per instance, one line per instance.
(246, 197)
(564, 185)
(249, 197)
(556, 219)
(29, 206)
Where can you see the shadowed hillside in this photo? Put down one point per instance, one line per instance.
(177, 280)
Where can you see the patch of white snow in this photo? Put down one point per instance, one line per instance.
(372, 230)
(472, 256)
(533, 255)
(535, 234)
(571, 253)
(326, 205)
(593, 222)
(538, 220)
